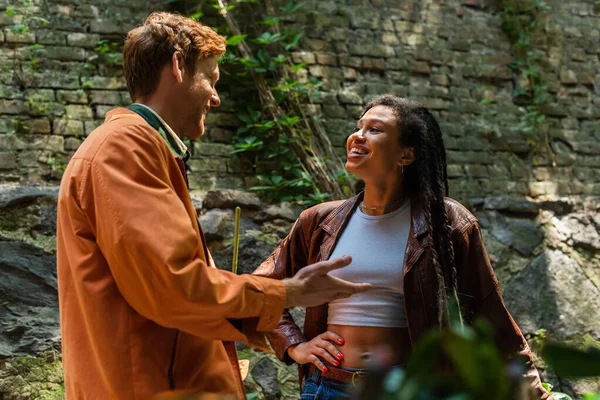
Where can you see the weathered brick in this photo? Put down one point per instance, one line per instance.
(326, 58)
(102, 110)
(13, 107)
(68, 127)
(48, 143)
(371, 50)
(8, 160)
(303, 56)
(568, 77)
(476, 171)
(211, 149)
(103, 82)
(72, 144)
(72, 96)
(84, 40)
(222, 119)
(47, 36)
(350, 98)
(12, 37)
(105, 97)
(105, 26)
(219, 135)
(64, 53)
(36, 126)
(91, 125)
(207, 164)
(79, 112)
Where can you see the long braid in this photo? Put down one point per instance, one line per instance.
(427, 178)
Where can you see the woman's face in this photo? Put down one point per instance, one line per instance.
(374, 150)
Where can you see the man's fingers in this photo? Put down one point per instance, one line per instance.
(325, 267)
(350, 288)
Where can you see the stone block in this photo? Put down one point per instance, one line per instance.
(476, 171)
(377, 64)
(207, 165)
(348, 61)
(79, 112)
(13, 142)
(72, 96)
(105, 26)
(12, 37)
(49, 143)
(36, 126)
(568, 77)
(13, 107)
(211, 149)
(72, 144)
(40, 95)
(350, 98)
(440, 79)
(8, 160)
(466, 157)
(420, 67)
(455, 171)
(371, 50)
(64, 53)
(220, 135)
(51, 37)
(103, 82)
(68, 127)
(89, 126)
(85, 40)
(102, 110)
(105, 97)
(326, 58)
(222, 119)
(303, 56)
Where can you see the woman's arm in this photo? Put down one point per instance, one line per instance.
(480, 296)
(284, 262)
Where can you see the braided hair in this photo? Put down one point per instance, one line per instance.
(427, 178)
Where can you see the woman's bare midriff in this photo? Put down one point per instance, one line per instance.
(361, 342)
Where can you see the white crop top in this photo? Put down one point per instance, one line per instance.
(377, 245)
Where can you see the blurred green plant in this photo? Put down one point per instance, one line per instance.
(463, 362)
(521, 20)
(280, 133)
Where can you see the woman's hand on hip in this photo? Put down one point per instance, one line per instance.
(319, 350)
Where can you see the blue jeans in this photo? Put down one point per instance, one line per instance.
(318, 388)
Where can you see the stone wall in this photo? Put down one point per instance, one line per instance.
(58, 80)
(57, 84)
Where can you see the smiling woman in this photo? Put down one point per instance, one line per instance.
(415, 246)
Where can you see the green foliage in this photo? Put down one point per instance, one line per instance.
(520, 21)
(108, 53)
(269, 97)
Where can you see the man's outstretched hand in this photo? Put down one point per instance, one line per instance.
(312, 286)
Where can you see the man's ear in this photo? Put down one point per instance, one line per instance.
(407, 157)
(178, 66)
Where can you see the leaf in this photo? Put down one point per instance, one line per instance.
(570, 362)
(233, 40)
(270, 21)
(197, 15)
(296, 67)
(10, 11)
(294, 41)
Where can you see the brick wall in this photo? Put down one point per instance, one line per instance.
(449, 55)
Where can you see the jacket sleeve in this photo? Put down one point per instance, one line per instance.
(480, 296)
(284, 262)
(153, 249)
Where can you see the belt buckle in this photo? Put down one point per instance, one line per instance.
(356, 375)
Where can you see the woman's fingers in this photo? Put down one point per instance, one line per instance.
(318, 363)
(326, 356)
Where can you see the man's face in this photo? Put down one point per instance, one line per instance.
(197, 96)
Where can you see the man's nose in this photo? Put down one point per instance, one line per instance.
(215, 101)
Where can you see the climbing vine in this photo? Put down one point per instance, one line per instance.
(280, 133)
(520, 21)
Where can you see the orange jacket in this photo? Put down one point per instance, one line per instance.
(142, 308)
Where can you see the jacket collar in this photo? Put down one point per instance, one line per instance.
(334, 223)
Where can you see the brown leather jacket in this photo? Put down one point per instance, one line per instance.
(315, 234)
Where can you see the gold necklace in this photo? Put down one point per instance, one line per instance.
(392, 204)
